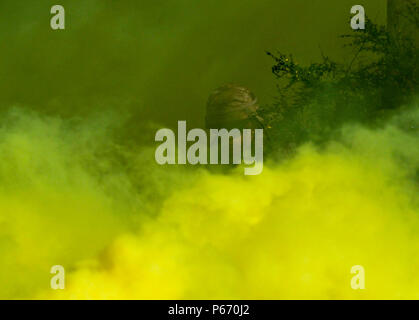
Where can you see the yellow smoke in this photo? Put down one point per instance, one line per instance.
(155, 232)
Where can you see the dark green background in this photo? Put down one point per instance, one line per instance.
(157, 61)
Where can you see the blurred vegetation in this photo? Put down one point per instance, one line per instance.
(315, 100)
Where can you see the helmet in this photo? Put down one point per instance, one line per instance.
(232, 106)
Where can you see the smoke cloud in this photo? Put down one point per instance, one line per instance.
(124, 227)
(79, 186)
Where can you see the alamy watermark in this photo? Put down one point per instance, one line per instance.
(358, 280)
(197, 153)
(58, 280)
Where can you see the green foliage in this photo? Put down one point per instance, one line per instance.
(316, 100)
